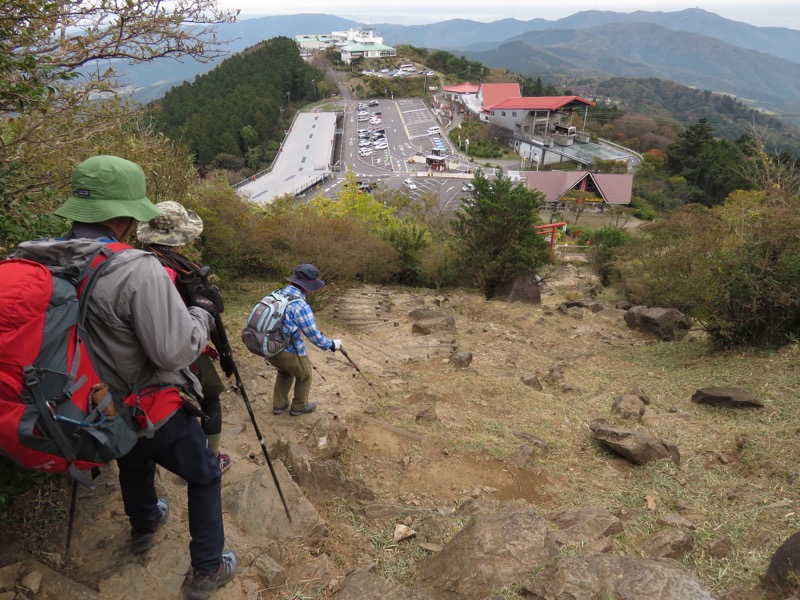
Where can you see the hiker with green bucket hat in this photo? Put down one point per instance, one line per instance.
(143, 338)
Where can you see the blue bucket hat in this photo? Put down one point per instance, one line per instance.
(306, 276)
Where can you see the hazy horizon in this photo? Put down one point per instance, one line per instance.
(414, 12)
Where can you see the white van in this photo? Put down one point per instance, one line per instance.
(432, 130)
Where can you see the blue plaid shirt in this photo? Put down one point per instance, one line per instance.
(299, 317)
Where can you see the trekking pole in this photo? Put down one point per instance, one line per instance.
(70, 524)
(313, 366)
(355, 366)
(228, 353)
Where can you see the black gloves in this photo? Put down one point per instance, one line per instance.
(209, 299)
(226, 362)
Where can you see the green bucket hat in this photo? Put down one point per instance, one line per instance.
(104, 187)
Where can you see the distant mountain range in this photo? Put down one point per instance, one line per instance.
(759, 65)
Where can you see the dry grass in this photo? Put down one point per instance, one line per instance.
(738, 476)
(738, 473)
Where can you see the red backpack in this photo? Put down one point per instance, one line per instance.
(55, 413)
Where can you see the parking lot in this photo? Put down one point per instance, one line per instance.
(385, 145)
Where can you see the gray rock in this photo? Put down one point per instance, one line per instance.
(628, 407)
(524, 288)
(362, 585)
(668, 543)
(461, 360)
(533, 381)
(254, 506)
(726, 397)
(269, 572)
(783, 569)
(638, 446)
(601, 576)
(318, 476)
(666, 324)
(327, 438)
(583, 525)
(492, 551)
(52, 584)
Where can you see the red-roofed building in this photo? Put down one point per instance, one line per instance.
(563, 189)
(479, 98)
(540, 117)
(492, 94)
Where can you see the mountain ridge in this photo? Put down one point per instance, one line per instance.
(759, 64)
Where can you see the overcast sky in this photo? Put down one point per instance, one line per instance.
(771, 13)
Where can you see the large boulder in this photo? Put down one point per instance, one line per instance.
(666, 324)
(255, 507)
(784, 569)
(602, 576)
(638, 446)
(524, 288)
(492, 551)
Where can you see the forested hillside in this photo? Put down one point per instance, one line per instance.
(647, 50)
(659, 100)
(235, 115)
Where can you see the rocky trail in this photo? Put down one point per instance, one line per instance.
(455, 462)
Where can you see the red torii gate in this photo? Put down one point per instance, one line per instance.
(551, 229)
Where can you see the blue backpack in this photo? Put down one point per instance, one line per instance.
(263, 334)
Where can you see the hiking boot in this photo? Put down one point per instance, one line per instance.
(308, 408)
(224, 462)
(205, 584)
(278, 411)
(142, 542)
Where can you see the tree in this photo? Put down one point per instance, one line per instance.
(495, 228)
(56, 85)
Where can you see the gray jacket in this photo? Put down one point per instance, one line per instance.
(139, 328)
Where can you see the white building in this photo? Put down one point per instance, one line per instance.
(352, 44)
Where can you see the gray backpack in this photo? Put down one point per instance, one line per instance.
(263, 335)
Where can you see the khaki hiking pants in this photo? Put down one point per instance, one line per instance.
(292, 369)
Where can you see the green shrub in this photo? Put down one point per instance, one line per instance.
(603, 247)
(734, 268)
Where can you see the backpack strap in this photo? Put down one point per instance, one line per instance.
(52, 427)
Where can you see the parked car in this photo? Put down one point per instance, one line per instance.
(365, 152)
(363, 119)
(409, 184)
(468, 187)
